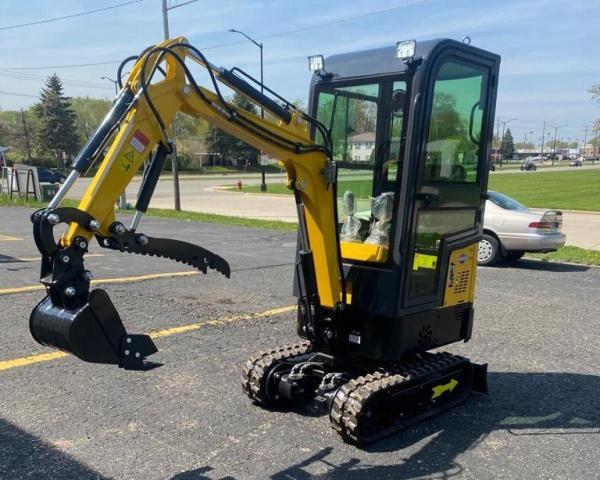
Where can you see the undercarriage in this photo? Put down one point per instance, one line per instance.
(364, 402)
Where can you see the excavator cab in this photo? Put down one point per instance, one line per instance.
(411, 133)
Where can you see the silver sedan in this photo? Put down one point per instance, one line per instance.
(510, 229)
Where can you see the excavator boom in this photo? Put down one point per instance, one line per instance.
(136, 130)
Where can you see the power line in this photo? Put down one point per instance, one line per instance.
(14, 94)
(73, 15)
(229, 44)
(67, 81)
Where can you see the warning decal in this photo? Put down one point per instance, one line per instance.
(139, 141)
(127, 160)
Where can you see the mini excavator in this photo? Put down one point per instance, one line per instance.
(389, 173)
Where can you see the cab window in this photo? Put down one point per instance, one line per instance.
(456, 122)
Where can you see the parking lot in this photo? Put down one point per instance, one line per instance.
(536, 325)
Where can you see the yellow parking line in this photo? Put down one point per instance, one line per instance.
(7, 238)
(36, 258)
(101, 281)
(167, 332)
(23, 361)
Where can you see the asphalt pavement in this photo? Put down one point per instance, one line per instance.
(536, 326)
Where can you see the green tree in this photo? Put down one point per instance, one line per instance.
(507, 148)
(89, 112)
(229, 148)
(56, 133)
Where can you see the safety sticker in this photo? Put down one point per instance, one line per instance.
(423, 260)
(127, 161)
(139, 141)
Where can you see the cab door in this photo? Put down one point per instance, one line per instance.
(451, 175)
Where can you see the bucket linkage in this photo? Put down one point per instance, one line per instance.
(84, 323)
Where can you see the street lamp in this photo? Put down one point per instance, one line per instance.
(114, 82)
(263, 185)
(502, 141)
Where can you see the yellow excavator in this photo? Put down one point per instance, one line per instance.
(389, 173)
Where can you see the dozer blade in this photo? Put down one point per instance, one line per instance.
(94, 333)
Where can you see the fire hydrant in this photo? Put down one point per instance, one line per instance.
(239, 184)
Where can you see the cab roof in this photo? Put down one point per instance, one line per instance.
(383, 61)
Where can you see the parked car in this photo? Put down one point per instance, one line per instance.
(576, 162)
(47, 175)
(510, 229)
(528, 165)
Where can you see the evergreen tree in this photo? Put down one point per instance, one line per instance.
(508, 145)
(57, 132)
(230, 148)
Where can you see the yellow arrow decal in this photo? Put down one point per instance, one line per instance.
(447, 387)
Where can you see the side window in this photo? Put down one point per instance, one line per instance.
(456, 120)
(351, 114)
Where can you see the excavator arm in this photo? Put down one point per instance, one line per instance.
(135, 131)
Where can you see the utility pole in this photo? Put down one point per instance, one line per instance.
(556, 127)
(585, 141)
(26, 135)
(122, 201)
(174, 164)
(263, 185)
(595, 143)
(542, 145)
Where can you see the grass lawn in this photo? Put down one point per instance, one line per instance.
(570, 254)
(567, 190)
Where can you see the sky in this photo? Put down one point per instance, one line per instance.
(550, 48)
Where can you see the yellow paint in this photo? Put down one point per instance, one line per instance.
(8, 238)
(460, 279)
(446, 387)
(167, 332)
(24, 361)
(364, 252)
(37, 258)
(423, 260)
(102, 281)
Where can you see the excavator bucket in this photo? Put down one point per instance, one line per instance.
(94, 333)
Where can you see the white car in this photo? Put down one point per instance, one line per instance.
(510, 229)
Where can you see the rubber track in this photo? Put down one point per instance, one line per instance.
(254, 369)
(351, 398)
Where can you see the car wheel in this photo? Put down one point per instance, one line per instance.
(489, 250)
(513, 256)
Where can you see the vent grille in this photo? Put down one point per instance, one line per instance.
(462, 282)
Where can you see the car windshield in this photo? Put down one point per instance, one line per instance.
(504, 201)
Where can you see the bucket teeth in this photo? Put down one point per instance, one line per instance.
(183, 252)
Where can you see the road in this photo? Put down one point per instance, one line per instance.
(536, 326)
(202, 194)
